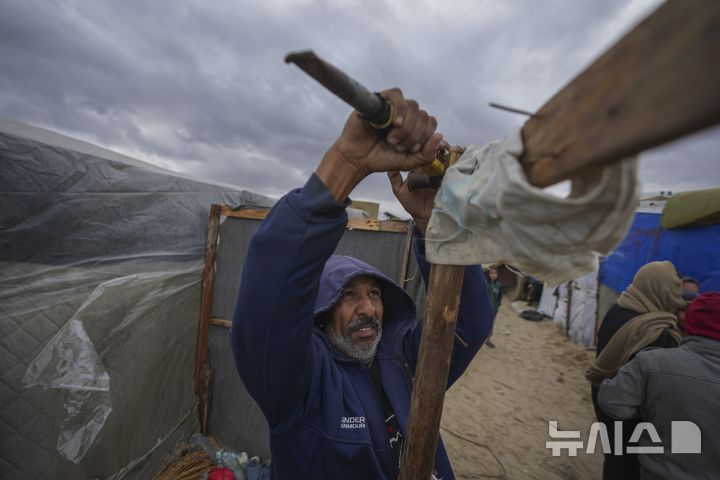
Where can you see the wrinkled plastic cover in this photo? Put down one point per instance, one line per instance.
(69, 362)
(100, 278)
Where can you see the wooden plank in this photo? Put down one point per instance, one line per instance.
(428, 395)
(219, 322)
(659, 82)
(202, 367)
(568, 314)
(249, 213)
(402, 281)
(394, 226)
(371, 208)
(363, 224)
(204, 405)
(597, 308)
(431, 373)
(353, 223)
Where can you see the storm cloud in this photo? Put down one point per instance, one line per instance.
(201, 87)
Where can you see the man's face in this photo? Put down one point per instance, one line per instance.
(354, 325)
(690, 287)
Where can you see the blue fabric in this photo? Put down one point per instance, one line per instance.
(257, 471)
(695, 252)
(324, 416)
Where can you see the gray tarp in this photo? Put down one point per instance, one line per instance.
(100, 272)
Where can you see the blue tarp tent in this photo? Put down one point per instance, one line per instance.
(694, 251)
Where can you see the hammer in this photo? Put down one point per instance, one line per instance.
(375, 109)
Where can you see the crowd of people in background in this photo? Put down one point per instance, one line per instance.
(658, 361)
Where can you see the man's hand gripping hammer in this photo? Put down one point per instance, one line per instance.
(378, 111)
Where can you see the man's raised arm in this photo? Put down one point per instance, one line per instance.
(273, 321)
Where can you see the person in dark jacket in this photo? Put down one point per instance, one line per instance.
(663, 386)
(327, 345)
(644, 316)
(495, 292)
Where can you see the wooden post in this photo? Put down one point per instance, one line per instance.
(569, 306)
(656, 84)
(431, 375)
(402, 281)
(203, 375)
(597, 308)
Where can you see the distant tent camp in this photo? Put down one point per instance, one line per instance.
(686, 232)
(684, 229)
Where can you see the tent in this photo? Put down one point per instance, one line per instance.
(100, 267)
(684, 229)
(576, 300)
(694, 250)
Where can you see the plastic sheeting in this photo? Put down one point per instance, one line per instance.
(583, 308)
(582, 295)
(100, 273)
(487, 212)
(548, 301)
(694, 252)
(69, 362)
(561, 309)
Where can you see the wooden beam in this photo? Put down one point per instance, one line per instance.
(407, 248)
(431, 373)
(597, 308)
(353, 223)
(568, 313)
(363, 224)
(248, 213)
(219, 322)
(204, 404)
(428, 395)
(660, 82)
(203, 374)
(396, 226)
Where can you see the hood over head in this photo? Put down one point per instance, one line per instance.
(399, 309)
(656, 287)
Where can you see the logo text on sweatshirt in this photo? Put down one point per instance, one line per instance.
(352, 422)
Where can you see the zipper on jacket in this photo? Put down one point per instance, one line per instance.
(395, 468)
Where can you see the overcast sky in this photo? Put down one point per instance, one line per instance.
(201, 87)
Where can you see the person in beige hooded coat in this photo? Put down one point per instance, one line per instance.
(644, 316)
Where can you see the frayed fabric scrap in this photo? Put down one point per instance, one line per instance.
(486, 211)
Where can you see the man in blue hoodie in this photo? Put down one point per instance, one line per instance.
(327, 345)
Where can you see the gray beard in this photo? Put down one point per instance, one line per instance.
(344, 343)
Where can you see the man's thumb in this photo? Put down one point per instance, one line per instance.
(396, 180)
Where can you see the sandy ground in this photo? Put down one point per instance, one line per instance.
(495, 419)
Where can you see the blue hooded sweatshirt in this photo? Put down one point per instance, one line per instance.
(325, 419)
